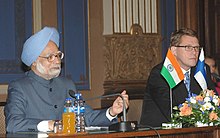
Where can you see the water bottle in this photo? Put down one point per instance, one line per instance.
(69, 117)
(79, 111)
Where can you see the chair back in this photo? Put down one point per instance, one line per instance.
(2, 120)
(135, 109)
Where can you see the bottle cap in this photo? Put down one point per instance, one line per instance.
(68, 99)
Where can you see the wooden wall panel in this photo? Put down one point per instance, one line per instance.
(49, 13)
(187, 14)
(73, 28)
(129, 59)
(209, 28)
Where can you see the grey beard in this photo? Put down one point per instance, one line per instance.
(51, 73)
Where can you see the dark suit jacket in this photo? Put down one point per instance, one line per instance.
(33, 99)
(156, 104)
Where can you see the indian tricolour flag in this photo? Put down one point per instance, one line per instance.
(171, 70)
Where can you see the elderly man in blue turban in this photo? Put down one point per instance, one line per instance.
(36, 100)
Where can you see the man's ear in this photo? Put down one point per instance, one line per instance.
(173, 50)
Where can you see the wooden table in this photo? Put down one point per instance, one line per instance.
(201, 132)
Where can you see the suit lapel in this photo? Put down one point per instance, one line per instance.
(179, 93)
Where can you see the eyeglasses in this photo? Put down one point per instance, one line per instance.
(52, 57)
(190, 48)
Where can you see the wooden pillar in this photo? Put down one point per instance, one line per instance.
(49, 13)
(187, 14)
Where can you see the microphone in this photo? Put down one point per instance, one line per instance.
(122, 126)
(216, 76)
(72, 94)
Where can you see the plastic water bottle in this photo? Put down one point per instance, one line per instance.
(79, 111)
(69, 117)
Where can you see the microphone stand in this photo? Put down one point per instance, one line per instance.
(124, 125)
(171, 104)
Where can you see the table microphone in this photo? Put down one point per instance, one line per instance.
(122, 126)
(216, 76)
(72, 94)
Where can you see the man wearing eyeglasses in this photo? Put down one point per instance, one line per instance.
(156, 110)
(36, 100)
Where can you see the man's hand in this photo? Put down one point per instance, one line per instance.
(51, 124)
(117, 106)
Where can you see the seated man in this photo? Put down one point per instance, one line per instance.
(156, 105)
(214, 72)
(37, 99)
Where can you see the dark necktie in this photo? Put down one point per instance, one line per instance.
(187, 83)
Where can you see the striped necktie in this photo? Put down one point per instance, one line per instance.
(187, 83)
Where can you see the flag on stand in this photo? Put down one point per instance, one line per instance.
(171, 70)
(200, 73)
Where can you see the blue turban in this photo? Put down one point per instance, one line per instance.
(34, 45)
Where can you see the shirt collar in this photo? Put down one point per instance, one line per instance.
(184, 71)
